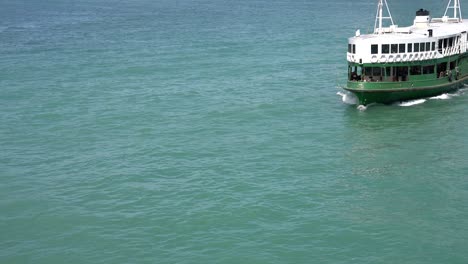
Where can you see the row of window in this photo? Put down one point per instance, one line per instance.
(413, 70)
(410, 47)
(402, 48)
(398, 73)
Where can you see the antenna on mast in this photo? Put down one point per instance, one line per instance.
(378, 29)
(456, 9)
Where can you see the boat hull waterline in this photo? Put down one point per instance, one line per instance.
(389, 96)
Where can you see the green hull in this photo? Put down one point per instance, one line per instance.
(391, 95)
(441, 76)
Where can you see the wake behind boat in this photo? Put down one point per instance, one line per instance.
(395, 63)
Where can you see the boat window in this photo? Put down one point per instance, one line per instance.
(410, 47)
(349, 48)
(401, 48)
(388, 71)
(394, 48)
(429, 69)
(396, 74)
(441, 68)
(354, 48)
(416, 47)
(452, 65)
(440, 45)
(355, 73)
(401, 73)
(367, 74)
(433, 46)
(445, 43)
(428, 46)
(415, 70)
(367, 71)
(374, 49)
(450, 42)
(372, 74)
(421, 46)
(376, 71)
(385, 48)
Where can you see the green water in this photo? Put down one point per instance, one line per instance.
(203, 131)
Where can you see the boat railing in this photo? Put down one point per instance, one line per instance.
(458, 48)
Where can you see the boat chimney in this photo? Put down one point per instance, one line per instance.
(422, 19)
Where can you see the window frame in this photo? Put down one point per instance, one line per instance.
(428, 69)
(422, 47)
(415, 70)
(401, 48)
(385, 48)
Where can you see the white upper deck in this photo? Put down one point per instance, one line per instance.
(427, 38)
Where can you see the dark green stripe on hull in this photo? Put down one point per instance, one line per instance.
(388, 96)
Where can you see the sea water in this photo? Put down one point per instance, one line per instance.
(214, 131)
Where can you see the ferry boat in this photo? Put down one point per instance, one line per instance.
(394, 63)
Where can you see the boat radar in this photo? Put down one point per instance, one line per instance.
(456, 10)
(379, 18)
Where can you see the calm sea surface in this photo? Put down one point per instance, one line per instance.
(211, 131)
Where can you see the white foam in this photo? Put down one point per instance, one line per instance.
(348, 98)
(461, 91)
(361, 107)
(457, 93)
(412, 102)
(442, 97)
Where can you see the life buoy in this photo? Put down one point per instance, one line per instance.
(404, 58)
(374, 59)
(383, 59)
(398, 58)
(390, 58)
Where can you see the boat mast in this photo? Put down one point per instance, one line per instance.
(456, 9)
(379, 17)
